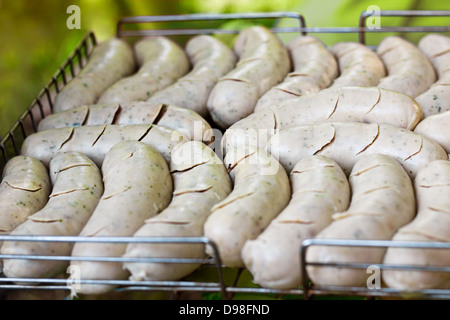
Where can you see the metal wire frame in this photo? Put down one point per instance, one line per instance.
(309, 290)
(361, 30)
(43, 105)
(64, 284)
(204, 18)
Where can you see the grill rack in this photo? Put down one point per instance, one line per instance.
(43, 105)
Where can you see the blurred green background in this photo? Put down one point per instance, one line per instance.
(36, 41)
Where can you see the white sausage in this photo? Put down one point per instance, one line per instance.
(211, 59)
(436, 99)
(314, 66)
(358, 65)
(96, 141)
(346, 104)
(77, 188)
(161, 62)
(109, 62)
(24, 190)
(169, 116)
(319, 189)
(408, 70)
(137, 186)
(382, 201)
(261, 190)
(200, 181)
(263, 62)
(435, 127)
(348, 142)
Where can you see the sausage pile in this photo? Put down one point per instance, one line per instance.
(256, 147)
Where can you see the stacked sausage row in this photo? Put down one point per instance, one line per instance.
(338, 143)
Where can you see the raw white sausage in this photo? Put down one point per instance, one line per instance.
(211, 59)
(319, 189)
(261, 190)
(408, 70)
(382, 201)
(96, 141)
(24, 190)
(314, 66)
(436, 99)
(346, 104)
(432, 224)
(137, 186)
(358, 65)
(77, 188)
(109, 62)
(347, 142)
(176, 118)
(200, 181)
(435, 127)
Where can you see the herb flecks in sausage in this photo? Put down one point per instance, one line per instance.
(382, 202)
(319, 189)
(24, 190)
(200, 181)
(358, 65)
(75, 194)
(314, 68)
(109, 62)
(431, 224)
(261, 190)
(411, 150)
(161, 62)
(136, 113)
(96, 141)
(137, 187)
(408, 69)
(436, 99)
(263, 62)
(346, 104)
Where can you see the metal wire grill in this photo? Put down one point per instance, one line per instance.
(311, 290)
(190, 18)
(43, 105)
